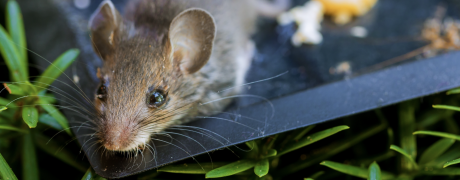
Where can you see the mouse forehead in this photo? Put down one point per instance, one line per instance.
(138, 65)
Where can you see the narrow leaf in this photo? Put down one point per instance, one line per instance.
(453, 91)
(438, 163)
(15, 89)
(435, 150)
(50, 121)
(403, 152)
(451, 163)
(56, 114)
(55, 149)
(353, 170)
(11, 128)
(303, 132)
(455, 108)
(91, 175)
(30, 116)
(12, 57)
(57, 68)
(4, 102)
(374, 172)
(441, 172)
(407, 126)
(15, 28)
(261, 168)
(5, 171)
(317, 175)
(29, 159)
(201, 168)
(311, 139)
(270, 153)
(231, 169)
(2, 108)
(439, 134)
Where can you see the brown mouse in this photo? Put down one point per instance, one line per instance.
(165, 59)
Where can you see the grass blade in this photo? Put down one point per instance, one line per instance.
(5, 170)
(454, 108)
(439, 134)
(311, 139)
(353, 170)
(453, 91)
(56, 114)
(15, 89)
(231, 169)
(91, 175)
(29, 159)
(12, 57)
(55, 149)
(261, 168)
(30, 116)
(303, 132)
(3, 108)
(15, 28)
(12, 128)
(435, 150)
(403, 152)
(441, 172)
(407, 126)
(451, 163)
(270, 153)
(374, 172)
(4, 102)
(57, 68)
(202, 168)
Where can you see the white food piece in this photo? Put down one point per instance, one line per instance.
(358, 31)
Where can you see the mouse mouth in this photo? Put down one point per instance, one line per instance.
(125, 142)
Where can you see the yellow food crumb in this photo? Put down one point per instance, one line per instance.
(342, 11)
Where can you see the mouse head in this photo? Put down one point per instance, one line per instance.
(147, 77)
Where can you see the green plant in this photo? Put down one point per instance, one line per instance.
(29, 103)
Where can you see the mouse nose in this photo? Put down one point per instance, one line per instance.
(116, 140)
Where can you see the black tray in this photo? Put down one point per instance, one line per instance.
(307, 94)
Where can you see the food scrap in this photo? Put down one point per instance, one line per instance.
(342, 68)
(309, 17)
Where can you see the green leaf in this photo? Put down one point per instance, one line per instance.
(438, 163)
(353, 170)
(4, 102)
(30, 116)
(451, 163)
(57, 68)
(308, 179)
(439, 134)
(317, 175)
(2, 108)
(12, 128)
(5, 171)
(403, 152)
(332, 149)
(55, 149)
(441, 172)
(15, 89)
(29, 159)
(311, 139)
(303, 132)
(374, 172)
(201, 168)
(15, 28)
(435, 150)
(261, 168)
(91, 175)
(56, 114)
(453, 91)
(231, 169)
(455, 108)
(50, 121)
(407, 126)
(270, 153)
(431, 117)
(12, 57)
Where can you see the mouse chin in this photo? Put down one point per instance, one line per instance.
(140, 140)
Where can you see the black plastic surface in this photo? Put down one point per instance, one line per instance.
(307, 94)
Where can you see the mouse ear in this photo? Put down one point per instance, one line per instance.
(104, 26)
(191, 35)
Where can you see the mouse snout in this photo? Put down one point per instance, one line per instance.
(118, 139)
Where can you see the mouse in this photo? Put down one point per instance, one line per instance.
(164, 62)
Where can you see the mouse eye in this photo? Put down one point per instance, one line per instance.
(101, 92)
(156, 99)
